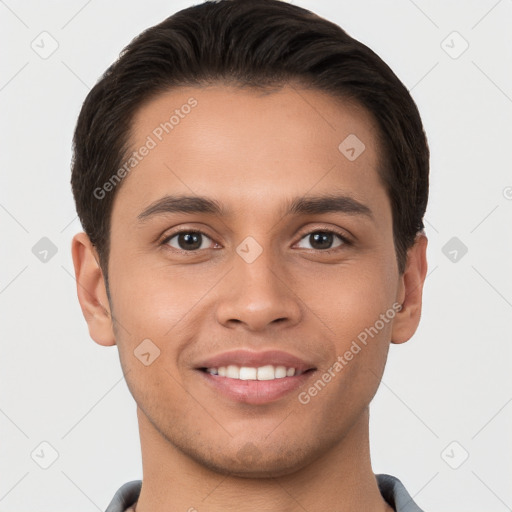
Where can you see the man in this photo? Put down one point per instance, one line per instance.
(251, 182)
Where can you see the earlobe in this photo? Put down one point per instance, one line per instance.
(91, 290)
(411, 291)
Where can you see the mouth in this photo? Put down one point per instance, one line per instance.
(267, 372)
(255, 377)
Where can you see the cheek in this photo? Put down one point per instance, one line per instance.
(149, 299)
(150, 310)
(159, 303)
(350, 298)
(358, 309)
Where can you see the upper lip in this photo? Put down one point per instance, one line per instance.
(254, 359)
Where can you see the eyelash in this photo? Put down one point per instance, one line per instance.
(345, 241)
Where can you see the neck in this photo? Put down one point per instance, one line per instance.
(340, 479)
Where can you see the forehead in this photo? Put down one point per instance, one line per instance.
(250, 147)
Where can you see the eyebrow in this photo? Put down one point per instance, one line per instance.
(329, 203)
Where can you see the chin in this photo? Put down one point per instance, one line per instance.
(251, 462)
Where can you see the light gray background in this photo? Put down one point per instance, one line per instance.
(451, 382)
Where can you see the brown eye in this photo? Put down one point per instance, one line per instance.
(187, 240)
(323, 240)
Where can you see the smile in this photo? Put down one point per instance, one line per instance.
(267, 372)
(254, 378)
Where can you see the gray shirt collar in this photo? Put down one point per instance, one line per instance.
(391, 488)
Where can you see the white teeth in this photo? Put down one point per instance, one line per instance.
(248, 373)
(233, 372)
(268, 372)
(280, 372)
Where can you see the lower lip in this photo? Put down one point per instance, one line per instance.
(255, 392)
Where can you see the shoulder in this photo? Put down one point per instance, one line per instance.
(125, 496)
(394, 492)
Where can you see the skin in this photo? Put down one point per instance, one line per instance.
(252, 152)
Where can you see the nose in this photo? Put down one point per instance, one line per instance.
(258, 294)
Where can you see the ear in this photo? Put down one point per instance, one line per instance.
(91, 290)
(410, 292)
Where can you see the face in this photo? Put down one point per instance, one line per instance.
(266, 322)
